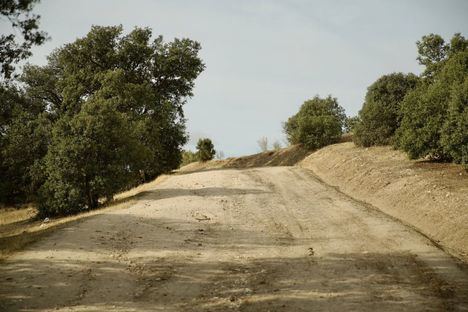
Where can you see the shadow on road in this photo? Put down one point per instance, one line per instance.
(97, 271)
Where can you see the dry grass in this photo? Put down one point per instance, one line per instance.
(20, 227)
(10, 215)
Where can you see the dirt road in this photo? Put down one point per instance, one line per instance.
(267, 239)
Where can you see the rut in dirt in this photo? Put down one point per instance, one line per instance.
(266, 239)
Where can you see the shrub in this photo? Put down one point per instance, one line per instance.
(319, 122)
(205, 149)
(188, 157)
(380, 115)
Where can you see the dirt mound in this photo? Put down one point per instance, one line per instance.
(284, 157)
(431, 197)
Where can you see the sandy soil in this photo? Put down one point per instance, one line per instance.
(266, 239)
(432, 197)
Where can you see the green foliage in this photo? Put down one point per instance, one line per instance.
(454, 132)
(24, 146)
(350, 124)
(93, 155)
(12, 50)
(434, 114)
(434, 52)
(380, 115)
(24, 136)
(205, 149)
(188, 157)
(319, 122)
(105, 113)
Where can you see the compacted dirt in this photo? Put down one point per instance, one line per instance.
(266, 239)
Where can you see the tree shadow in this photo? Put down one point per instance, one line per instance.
(164, 193)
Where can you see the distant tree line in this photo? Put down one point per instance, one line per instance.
(424, 115)
(104, 114)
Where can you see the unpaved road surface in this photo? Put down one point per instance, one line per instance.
(267, 239)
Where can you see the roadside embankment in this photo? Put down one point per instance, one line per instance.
(431, 197)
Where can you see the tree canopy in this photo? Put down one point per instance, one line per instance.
(435, 115)
(12, 48)
(112, 105)
(380, 115)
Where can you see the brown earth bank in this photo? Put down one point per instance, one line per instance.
(431, 197)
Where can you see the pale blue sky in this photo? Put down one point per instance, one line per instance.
(264, 58)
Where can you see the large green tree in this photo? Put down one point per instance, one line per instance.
(93, 155)
(434, 123)
(380, 115)
(114, 107)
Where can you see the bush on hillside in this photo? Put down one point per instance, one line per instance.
(350, 124)
(205, 149)
(188, 157)
(319, 122)
(434, 123)
(380, 115)
(454, 134)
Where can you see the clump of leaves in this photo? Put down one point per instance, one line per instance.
(380, 115)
